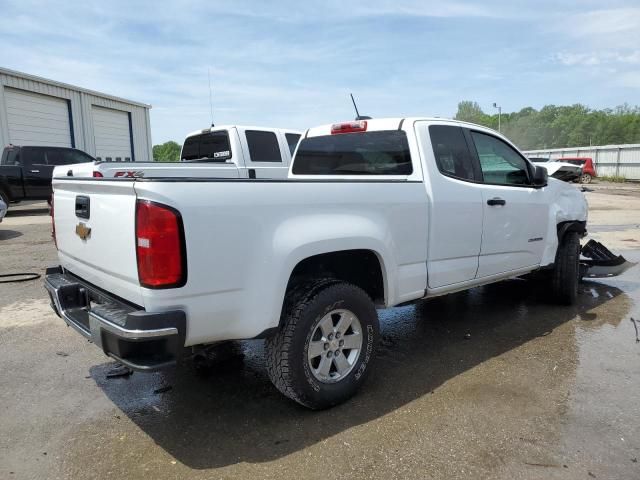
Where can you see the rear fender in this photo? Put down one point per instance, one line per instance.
(303, 237)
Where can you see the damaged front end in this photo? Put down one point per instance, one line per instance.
(599, 261)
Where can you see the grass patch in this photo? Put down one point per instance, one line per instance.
(613, 178)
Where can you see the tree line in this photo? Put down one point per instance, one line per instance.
(556, 126)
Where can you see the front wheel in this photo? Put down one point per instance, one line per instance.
(566, 271)
(323, 351)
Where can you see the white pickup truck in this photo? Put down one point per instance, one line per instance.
(227, 151)
(375, 213)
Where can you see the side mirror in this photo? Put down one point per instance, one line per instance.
(540, 176)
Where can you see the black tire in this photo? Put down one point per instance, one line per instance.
(566, 272)
(585, 178)
(287, 362)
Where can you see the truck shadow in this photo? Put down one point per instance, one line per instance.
(8, 234)
(236, 415)
(27, 211)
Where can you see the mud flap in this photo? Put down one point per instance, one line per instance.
(599, 262)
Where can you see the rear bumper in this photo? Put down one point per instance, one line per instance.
(141, 340)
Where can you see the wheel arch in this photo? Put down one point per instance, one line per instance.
(577, 226)
(362, 267)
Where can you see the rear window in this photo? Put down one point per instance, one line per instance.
(207, 147)
(372, 153)
(574, 162)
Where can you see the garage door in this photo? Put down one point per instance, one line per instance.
(36, 119)
(112, 134)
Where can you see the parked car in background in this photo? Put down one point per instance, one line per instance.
(374, 213)
(588, 168)
(564, 171)
(3, 209)
(26, 172)
(230, 151)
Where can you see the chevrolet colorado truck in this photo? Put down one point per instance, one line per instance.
(227, 151)
(374, 214)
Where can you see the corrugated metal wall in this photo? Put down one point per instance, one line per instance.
(620, 160)
(81, 101)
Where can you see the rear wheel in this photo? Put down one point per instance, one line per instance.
(322, 353)
(585, 178)
(566, 272)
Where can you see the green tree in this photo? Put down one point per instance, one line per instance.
(471, 112)
(166, 152)
(555, 126)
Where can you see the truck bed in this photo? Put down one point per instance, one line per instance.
(251, 233)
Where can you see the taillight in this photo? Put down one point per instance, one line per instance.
(53, 223)
(160, 247)
(349, 127)
(97, 174)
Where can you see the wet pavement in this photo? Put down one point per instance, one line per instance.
(495, 382)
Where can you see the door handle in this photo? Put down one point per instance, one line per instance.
(34, 171)
(496, 201)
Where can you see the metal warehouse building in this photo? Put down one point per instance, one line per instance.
(37, 111)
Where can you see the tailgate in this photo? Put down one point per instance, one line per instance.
(95, 233)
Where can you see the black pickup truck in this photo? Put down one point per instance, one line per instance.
(25, 172)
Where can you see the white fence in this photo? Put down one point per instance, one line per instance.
(619, 160)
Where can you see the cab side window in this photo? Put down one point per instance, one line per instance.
(451, 152)
(263, 146)
(34, 156)
(500, 163)
(55, 157)
(73, 156)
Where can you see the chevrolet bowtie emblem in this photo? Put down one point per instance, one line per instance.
(83, 231)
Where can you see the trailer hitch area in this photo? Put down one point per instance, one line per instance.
(599, 262)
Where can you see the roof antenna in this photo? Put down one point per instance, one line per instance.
(358, 116)
(210, 97)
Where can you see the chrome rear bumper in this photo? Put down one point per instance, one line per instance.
(139, 339)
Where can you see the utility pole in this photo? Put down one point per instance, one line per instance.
(495, 105)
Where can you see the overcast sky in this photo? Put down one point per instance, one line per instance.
(293, 63)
